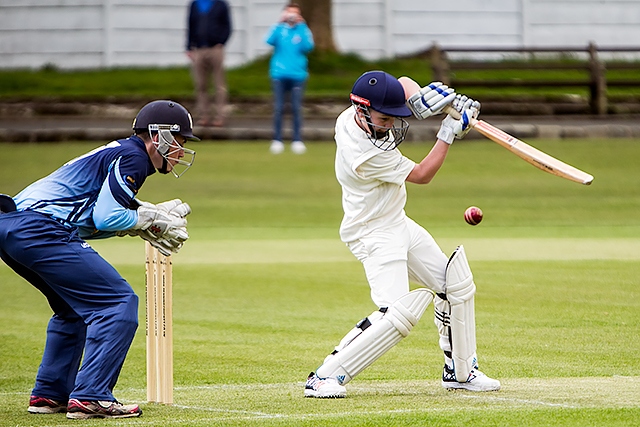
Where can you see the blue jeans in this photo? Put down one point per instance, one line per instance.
(296, 90)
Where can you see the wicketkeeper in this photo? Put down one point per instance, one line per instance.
(43, 233)
(393, 248)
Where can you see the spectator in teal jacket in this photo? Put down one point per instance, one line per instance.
(292, 41)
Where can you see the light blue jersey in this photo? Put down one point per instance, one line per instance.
(93, 192)
(291, 45)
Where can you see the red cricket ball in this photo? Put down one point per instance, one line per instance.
(473, 215)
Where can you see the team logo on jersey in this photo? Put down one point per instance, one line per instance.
(85, 245)
(132, 183)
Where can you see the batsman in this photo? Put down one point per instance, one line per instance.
(393, 248)
(43, 234)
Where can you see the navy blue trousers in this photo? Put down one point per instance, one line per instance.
(95, 310)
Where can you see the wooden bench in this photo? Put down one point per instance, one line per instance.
(591, 66)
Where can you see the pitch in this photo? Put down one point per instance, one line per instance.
(261, 287)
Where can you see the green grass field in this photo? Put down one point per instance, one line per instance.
(264, 289)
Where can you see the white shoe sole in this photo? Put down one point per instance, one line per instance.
(338, 394)
(85, 416)
(45, 410)
(470, 386)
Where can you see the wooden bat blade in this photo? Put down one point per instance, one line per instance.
(532, 155)
(528, 153)
(521, 149)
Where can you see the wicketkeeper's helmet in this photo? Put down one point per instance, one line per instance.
(165, 112)
(380, 91)
(167, 119)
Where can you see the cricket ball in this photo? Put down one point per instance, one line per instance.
(473, 215)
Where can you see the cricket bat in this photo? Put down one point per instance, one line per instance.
(521, 149)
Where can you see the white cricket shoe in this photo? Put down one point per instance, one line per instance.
(323, 388)
(298, 147)
(276, 147)
(477, 381)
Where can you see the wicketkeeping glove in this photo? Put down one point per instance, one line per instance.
(163, 225)
(175, 206)
(157, 220)
(430, 100)
(457, 128)
(172, 242)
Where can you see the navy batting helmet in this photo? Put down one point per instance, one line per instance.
(382, 92)
(165, 112)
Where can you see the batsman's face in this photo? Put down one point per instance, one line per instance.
(376, 123)
(382, 121)
(381, 128)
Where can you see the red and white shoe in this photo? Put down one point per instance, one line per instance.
(43, 405)
(82, 410)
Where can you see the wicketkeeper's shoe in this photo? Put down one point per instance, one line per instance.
(82, 410)
(477, 381)
(42, 405)
(327, 388)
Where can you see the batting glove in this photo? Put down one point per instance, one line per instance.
(451, 128)
(430, 100)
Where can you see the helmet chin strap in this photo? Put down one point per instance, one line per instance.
(164, 169)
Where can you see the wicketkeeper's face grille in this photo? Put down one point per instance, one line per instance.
(179, 158)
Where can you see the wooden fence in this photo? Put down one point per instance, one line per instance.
(592, 67)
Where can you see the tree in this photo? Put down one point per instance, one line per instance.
(317, 13)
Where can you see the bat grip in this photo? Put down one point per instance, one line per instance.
(456, 115)
(452, 112)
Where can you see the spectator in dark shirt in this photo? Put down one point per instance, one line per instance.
(209, 28)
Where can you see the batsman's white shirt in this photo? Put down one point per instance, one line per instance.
(372, 180)
(391, 246)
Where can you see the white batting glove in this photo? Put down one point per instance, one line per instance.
(457, 128)
(430, 100)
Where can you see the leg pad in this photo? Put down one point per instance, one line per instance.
(378, 338)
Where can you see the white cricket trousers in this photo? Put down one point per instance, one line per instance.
(393, 256)
(396, 255)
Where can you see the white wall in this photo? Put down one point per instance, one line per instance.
(107, 33)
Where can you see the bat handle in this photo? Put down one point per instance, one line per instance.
(456, 115)
(452, 112)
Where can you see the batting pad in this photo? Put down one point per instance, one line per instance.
(378, 338)
(460, 291)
